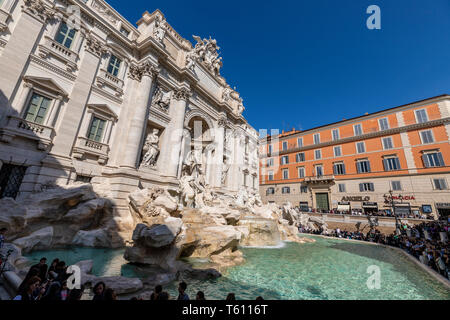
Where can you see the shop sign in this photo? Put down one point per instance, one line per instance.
(370, 204)
(443, 205)
(355, 199)
(388, 198)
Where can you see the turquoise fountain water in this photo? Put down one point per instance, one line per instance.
(327, 269)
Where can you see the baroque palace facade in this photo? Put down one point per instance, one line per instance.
(105, 101)
(353, 164)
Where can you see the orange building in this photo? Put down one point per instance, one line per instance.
(353, 164)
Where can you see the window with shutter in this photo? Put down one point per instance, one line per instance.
(37, 108)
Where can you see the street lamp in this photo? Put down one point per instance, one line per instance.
(397, 224)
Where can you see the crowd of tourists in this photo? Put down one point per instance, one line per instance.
(380, 213)
(44, 283)
(423, 241)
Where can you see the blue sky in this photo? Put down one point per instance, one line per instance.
(307, 63)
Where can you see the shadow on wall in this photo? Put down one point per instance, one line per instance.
(38, 210)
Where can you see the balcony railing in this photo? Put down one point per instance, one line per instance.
(319, 179)
(50, 46)
(105, 78)
(85, 146)
(17, 126)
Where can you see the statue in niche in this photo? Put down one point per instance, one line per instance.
(151, 149)
(160, 29)
(226, 168)
(161, 99)
(192, 163)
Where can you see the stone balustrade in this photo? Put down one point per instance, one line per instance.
(17, 126)
(105, 78)
(85, 146)
(50, 46)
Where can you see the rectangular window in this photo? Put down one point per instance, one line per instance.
(396, 186)
(360, 147)
(440, 184)
(339, 169)
(65, 35)
(357, 128)
(421, 116)
(270, 149)
(303, 189)
(318, 154)
(363, 166)
(96, 129)
(84, 179)
(286, 190)
(285, 160)
(270, 176)
(301, 172)
(319, 171)
(11, 177)
(317, 138)
(364, 187)
(114, 65)
(391, 164)
(300, 142)
(335, 134)
(285, 174)
(433, 159)
(270, 191)
(341, 187)
(427, 136)
(300, 157)
(285, 145)
(270, 162)
(337, 151)
(384, 124)
(37, 108)
(387, 143)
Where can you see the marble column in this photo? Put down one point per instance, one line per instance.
(138, 120)
(17, 51)
(76, 106)
(171, 146)
(218, 158)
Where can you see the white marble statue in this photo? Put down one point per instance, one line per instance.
(192, 162)
(161, 99)
(151, 149)
(226, 169)
(226, 95)
(160, 29)
(205, 52)
(187, 191)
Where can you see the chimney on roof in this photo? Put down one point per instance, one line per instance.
(366, 113)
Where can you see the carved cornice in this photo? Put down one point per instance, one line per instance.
(416, 126)
(52, 67)
(37, 9)
(182, 94)
(95, 46)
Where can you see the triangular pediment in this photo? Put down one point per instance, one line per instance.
(104, 108)
(46, 83)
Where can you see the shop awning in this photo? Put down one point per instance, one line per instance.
(356, 205)
(343, 207)
(370, 205)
